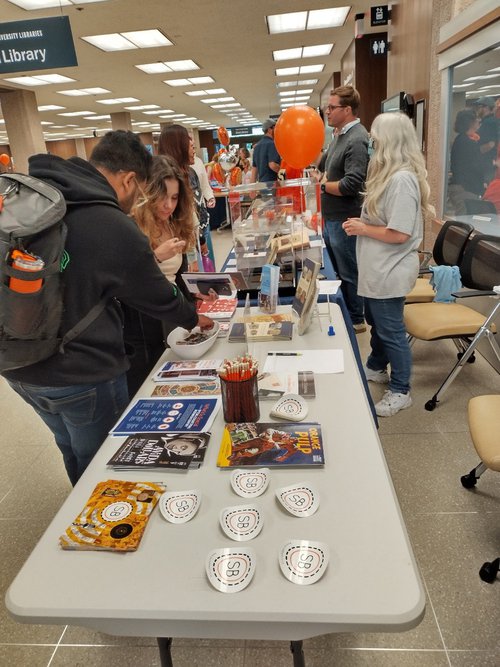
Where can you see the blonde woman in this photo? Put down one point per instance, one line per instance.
(389, 233)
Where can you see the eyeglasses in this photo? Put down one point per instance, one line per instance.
(332, 107)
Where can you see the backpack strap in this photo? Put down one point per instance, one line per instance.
(83, 324)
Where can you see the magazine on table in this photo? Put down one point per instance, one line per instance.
(146, 415)
(161, 451)
(114, 517)
(210, 387)
(222, 308)
(184, 371)
(260, 331)
(274, 385)
(305, 293)
(210, 284)
(271, 444)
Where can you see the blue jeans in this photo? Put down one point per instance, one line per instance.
(388, 341)
(79, 416)
(342, 251)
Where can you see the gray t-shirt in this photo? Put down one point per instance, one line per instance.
(389, 270)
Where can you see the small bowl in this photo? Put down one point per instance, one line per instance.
(184, 350)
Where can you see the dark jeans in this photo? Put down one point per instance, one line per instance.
(388, 341)
(342, 251)
(79, 416)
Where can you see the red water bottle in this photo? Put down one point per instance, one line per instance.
(24, 261)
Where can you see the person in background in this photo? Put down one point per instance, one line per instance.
(266, 159)
(164, 214)
(80, 393)
(389, 233)
(344, 171)
(466, 163)
(246, 172)
(243, 154)
(488, 135)
(175, 141)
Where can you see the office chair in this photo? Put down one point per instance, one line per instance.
(480, 271)
(448, 250)
(479, 207)
(484, 426)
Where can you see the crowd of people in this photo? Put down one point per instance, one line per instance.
(137, 222)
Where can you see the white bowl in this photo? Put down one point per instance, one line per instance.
(196, 350)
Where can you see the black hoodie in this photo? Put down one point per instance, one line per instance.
(109, 258)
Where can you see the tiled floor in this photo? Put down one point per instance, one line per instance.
(453, 531)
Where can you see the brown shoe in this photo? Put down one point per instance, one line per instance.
(359, 328)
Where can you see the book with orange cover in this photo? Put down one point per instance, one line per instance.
(219, 309)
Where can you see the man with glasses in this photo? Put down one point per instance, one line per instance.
(80, 392)
(344, 168)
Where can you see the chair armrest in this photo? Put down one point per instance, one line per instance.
(425, 257)
(467, 293)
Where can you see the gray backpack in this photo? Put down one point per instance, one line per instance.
(32, 263)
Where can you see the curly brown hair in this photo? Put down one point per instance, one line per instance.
(181, 225)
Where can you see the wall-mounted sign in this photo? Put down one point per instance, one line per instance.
(379, 15)
(240, 131)
(36, 44)
(379, 47)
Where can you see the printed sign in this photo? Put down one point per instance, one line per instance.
(379, 47)
(36, 44)
(379, 15)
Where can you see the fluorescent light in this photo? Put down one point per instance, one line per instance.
(189, 82)
(287, 71)
(157, 111)
(201, 79)
(169, 66)
(153, 68)
(76, 92)
(289, 84)
(145, 39)
(142, 107)
(103, 117)
(30, 5)
(118, 100)
(495, 69)
(200, 93)
(317, 50)
(311, 69)
(124, 41)
(226, 106)
(39, 80)
(50, 107)
(462, 85)
(77, 113)
(209, 100)
(332, 17)
(288, 54)
(482, 77)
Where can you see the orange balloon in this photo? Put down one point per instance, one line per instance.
(223, 136)
(299, 135)
(5, 159)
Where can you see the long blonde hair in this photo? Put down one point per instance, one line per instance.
(395, 149)
(181, 223)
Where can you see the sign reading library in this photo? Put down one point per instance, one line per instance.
(36, 44)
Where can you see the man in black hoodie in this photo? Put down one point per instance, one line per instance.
(81, 393)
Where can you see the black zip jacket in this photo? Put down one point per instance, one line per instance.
(109, 258)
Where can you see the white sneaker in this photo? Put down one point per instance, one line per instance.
(391, 403)
(380, 377)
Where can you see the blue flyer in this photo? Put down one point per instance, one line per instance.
(168, 415)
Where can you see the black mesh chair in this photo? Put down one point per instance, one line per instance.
(480, 271)
(484, 426)
(479, 207)
(448, 250)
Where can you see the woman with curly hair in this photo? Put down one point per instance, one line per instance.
(389, 234)
(164, 213)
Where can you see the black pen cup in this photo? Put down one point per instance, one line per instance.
(240, 400)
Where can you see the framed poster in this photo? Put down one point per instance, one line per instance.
(419, 123)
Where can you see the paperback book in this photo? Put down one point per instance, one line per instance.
(269, 283)
(275, 385)
(271, 444)
(160, 451)
(306, 294)
(222, 308)
(114, 517)
(210, 284)
(174, 415)
(176, 389)
(185, 371)
(260, 331)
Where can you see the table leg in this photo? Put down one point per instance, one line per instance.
(298, 654)
(164, 644)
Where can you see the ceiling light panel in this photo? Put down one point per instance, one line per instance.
(77, 92)
(124, 41)
(189, 82)
(50, 107)
(142, 107)
(40, 80)
(168, 66)
(30, 5)
(118, 100)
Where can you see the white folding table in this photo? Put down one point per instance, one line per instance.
(371, 583)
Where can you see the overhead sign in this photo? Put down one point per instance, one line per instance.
(36, 44)
(379, 47)
(379, 15)
(240, 131)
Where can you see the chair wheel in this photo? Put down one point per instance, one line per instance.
(469, 481)
(488, 571)
(471, 359)
(431, 405)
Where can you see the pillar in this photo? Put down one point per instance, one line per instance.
(120, 120)
(22, 123)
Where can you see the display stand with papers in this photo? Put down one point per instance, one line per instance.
(371, 582)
